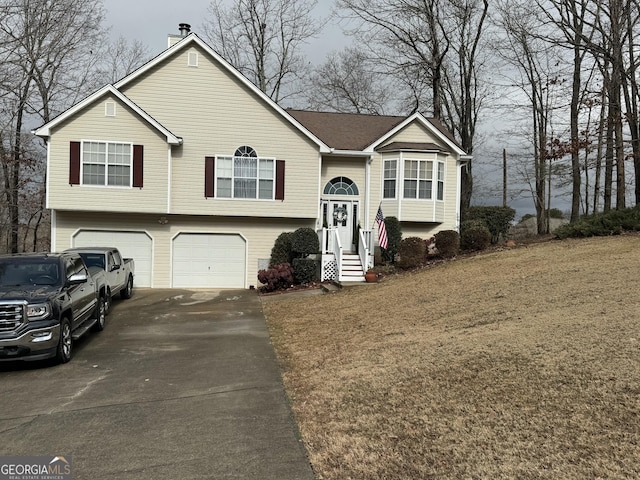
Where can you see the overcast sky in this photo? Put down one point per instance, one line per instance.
(151, 21)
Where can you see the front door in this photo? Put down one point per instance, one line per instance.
(342, 215)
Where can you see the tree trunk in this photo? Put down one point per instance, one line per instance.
(575, 141)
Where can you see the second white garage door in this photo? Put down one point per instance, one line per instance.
(204, 260)
(136, 245)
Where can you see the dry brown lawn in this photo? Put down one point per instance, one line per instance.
(521, 363)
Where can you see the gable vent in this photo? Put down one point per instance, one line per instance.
(193, 59)
(110, 109)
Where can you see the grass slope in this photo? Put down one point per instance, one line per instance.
(521, 363)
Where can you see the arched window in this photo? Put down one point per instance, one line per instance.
(245, 151)
(341, 186)
(245, 175)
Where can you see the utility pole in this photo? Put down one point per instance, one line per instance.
(504, 177)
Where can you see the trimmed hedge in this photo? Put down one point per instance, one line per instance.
(304, 270)
(412, 252)
(474, 236)
(394, 236)
(304, 242)
(497, 219)
(281, 250)
(448, 243)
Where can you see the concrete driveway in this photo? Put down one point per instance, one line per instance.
(179, 385)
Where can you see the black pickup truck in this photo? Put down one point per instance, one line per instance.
(47, 300)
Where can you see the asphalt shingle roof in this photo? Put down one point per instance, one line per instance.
(354, 131)
(346, 131)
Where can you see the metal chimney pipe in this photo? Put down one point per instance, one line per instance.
(185, 29)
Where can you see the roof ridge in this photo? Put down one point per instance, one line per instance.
(324, 112)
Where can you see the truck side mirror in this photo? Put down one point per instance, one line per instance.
(115, 266)
(77, 279)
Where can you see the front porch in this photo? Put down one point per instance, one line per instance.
(340, 263)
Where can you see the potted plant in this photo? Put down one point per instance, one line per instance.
(371, 276)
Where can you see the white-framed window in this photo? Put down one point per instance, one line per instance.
(341, 186)
(107, 163)
(440, 193)
(245, 175)
(418, 179)
(390, 179)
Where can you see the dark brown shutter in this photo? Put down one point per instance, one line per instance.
(279, 179)
(74, 163)
(138, 165)
(209, 175)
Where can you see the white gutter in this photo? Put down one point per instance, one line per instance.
(348, 153)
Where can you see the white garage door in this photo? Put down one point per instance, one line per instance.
(203, 260)
(136, 245)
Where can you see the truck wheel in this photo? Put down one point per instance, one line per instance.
(65, 345)
(127, 291)
(101, 314)
(107, 302)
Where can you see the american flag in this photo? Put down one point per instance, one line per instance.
(383, 241)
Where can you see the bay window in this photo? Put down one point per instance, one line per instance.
(419, 178)
(390, 178)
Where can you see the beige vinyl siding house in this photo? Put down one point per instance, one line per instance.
(191, 170)
(178, 94)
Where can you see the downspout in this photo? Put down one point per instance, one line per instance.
(169, 177)
(319, 219)
(54, 221)
(48, 179)
(399, 177)
(367, 198)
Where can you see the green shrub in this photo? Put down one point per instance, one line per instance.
(412, 252)
(278, 277)
(474, 236)
(497, 219)
(281, 250)
(304, 242)
(304, 270)
(526, 217)
(448, 243)
(556, 213)
(394, 235)
(611, 223)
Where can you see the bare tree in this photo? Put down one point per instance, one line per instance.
(571, 18)
(615, 24)
(412, 35)
(346, 83)
(464, 90)
(121, 58)
(46, 55)
(263, 39)
(534, 73)
(434, 48)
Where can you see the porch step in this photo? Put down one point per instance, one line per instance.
(352, 270)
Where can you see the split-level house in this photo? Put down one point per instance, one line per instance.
(187, 167)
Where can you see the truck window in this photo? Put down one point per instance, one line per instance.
(29, 272)
(93, 260)
(79, 266)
